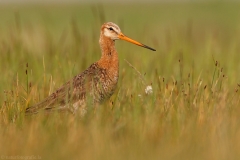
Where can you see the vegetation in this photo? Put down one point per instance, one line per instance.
(192, 113)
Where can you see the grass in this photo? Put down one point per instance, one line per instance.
(193, 112)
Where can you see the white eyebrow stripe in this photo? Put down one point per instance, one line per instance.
(114, 26)
(115, 29)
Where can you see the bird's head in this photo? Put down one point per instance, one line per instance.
(113, 32)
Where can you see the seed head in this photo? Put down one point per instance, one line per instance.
(148, 90)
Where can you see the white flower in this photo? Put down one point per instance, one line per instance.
(148, 90)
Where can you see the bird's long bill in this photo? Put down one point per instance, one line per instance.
(123, 37)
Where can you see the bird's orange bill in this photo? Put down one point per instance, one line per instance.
(123, 37)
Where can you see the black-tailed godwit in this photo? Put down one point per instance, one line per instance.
(98, 81)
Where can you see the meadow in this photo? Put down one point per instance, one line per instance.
(192, 113)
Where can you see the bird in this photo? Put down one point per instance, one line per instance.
(98, 82)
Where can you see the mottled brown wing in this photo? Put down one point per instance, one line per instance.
(70, 92)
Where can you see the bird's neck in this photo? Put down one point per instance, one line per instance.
(109, 58)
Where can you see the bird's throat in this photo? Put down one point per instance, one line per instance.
(109, 59)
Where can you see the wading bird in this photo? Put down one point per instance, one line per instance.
(97, 82)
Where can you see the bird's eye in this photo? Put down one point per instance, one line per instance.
(111, 29)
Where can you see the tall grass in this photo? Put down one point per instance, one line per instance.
(193, 112)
